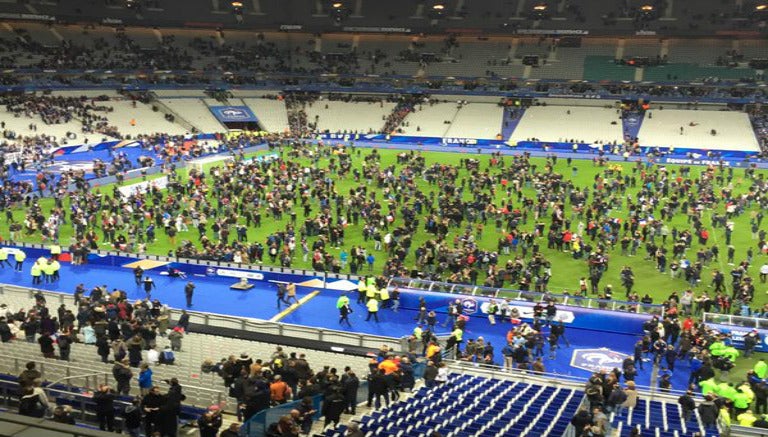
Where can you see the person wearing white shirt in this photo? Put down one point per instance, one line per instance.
(153, 356)
(442, 374)
(763, 273)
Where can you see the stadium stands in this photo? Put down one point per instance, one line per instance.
(581, 124)
(202, 389)
(358, 117)
(196, 112)
(663, 419)
(430, 120)
(272, 114)
(733, 130)
(474, 406)
(477, 120)
(140, 119)
(64, 133)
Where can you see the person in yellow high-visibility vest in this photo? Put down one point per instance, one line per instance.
(4, 257)
(48, 270)
(19, 256)
(55, 251)
(746, 418)
(384, 297)
(370, 292)
(36, 273)
(373, 309)
(361, 289)
(55, 268)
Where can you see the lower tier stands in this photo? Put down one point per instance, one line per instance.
(475, 406)
(659, 419)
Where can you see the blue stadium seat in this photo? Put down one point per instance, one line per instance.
(471, 406)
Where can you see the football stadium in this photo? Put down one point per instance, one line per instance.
(415, 218)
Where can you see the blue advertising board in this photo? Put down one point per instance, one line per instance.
(737, 334)
(572, 316)
(233, 114)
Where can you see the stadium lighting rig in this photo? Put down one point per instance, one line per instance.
(338, 10)
(237, 9)
(540, 11)
(647, 12)
(437, 10)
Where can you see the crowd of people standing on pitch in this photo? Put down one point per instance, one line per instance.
(209, 216)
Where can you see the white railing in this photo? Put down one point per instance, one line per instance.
(740, 321)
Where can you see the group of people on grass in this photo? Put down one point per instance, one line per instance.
(213, 215)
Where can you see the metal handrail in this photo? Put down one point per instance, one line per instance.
(12, 355)
(60, 380)
(736, 321)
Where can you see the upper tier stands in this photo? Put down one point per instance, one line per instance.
(360, 117)
(476, 406)
(430, 120)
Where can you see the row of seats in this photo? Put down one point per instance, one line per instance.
(658, 418)
(475, 406)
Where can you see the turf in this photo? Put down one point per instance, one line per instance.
(565, 272)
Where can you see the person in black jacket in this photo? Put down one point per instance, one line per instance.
(105, 407)
(688, 405)
(377, 387)
(123, 375)
(333, 406)
(350, 383)
(210, 422)
(65, 345)
(132, 418)
(5, 331)
(102, 348)
(708, 412)
(151, 404)
(63, 414)
(581, 419)
(46, 345)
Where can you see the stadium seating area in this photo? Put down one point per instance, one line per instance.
(430, 120)
(661, 419)
(195, 112)
(272, 114)
(201, 389)
(474, 406)
(107, 47)
(477, 120)
(79, 400)
(358, 117)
